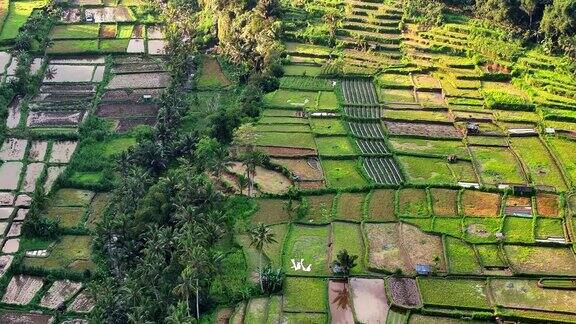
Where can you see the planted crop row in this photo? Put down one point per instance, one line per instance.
(372, 147)
(383, 170)
(359, 92)
(366, 130)
(363, 112)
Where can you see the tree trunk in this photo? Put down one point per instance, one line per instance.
(260, 270)
(197, 300)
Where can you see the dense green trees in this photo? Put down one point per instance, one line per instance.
(552, 22)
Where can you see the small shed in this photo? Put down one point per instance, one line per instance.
(423, 269)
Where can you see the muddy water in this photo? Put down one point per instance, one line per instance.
(88, 60)
(339, 297)
(10, 175)
(14, 114)
(4, 61)
(54, 118)
(59, 292)
(98, 74)
(22, 289)
(11, 246)
(144, 80)
(110, 14)
(6, 212)
(155, 32)
(69, 73)
(36, 65)
(157, 47)
(62, 151)
(15, 229)
(11, 69)
(37, 150)
(6, 198)
(51, 176)
(369, 298)
(33, 172)
(136, 45)
(13, 149)
(83, 303)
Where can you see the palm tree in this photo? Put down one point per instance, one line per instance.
(260, 235)
(344, 263)
(251, 160)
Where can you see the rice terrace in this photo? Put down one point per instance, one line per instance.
(287, 161)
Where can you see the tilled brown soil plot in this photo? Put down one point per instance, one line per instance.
(422, 129)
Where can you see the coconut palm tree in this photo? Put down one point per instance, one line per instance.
(251, 160)
(260, 236)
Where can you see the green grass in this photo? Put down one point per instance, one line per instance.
(549, 227)
(525, 293)
(327, 101)
(481, 229)
(467, 293)
(542, 260)
(283, 128)
(342, 174)
(487, 140)
(293, 99)
(497, 165)
(114, 45)
(413, 203)
(305, 295)
(86, 179)
(256, 310)
(412, 115)
(125, 31)
(448, 225)
(490, 255)
(461, 257)
(70, 252)
(335, 146)
(274, 250)
(68, 217)
(274, 120)
(298, 140)
(396, 95)
(73, 46)
(424, 170)
(18, 13)
(71, 197)
(518, 230)
(274, 309)
(309, 243)
(564, 151)
(540, 164)
(346, 236)
(394, 81)
(429, 146)
(302, 70)
(80, 31)
(327, 126)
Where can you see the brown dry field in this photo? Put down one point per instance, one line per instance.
(320, 208)
(272, 211)
(301, 168)
(350, 206)
(541, 260)
(369, 298)
(548, 205)
(278, 151)
(384, 252)
(381, 205)
(445, 202)
(480, 204)
(413, 202)
(423, 129)
(420, 247)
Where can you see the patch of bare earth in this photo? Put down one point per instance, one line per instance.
(22, 289)
(339, 296)
(369, 298)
